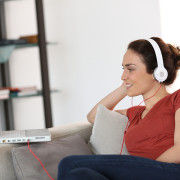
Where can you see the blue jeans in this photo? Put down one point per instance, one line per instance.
(115, 167)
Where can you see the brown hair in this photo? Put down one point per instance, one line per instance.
(170, 53)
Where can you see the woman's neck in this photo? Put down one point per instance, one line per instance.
(162, 92)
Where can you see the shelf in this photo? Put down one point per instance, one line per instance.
(5, 0)
(6, 51)
(39, 93)
(33, 45)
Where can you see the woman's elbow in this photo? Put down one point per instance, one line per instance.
(90, 119)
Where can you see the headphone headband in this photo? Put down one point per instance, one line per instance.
(160, 73)
(157, 52)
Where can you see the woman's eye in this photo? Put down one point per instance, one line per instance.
(129, 69)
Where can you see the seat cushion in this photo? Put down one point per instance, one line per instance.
(27, 167)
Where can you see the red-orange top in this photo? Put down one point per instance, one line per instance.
(154, 134)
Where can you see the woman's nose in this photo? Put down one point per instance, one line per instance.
(124, 76)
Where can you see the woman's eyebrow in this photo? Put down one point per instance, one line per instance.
(129, 64)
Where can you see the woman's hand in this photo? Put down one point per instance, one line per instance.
(110, 101)
(123, 88)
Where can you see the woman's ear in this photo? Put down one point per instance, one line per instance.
(153, 76)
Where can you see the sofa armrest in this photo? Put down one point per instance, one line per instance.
(83, 128)
(6, 163)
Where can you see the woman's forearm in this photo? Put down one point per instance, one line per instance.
(172, 155)
(110, 101)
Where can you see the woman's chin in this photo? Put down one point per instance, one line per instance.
(132, 94)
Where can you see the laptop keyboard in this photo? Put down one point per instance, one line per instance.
(22, 136)
(11, 134)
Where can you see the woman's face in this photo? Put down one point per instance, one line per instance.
(137, 80)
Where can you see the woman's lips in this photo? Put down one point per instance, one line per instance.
(128, 86)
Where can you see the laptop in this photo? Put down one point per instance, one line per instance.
(23, 136)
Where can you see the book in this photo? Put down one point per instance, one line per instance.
(18, 89)
(23, 93)
(25, 88)
(4, 94)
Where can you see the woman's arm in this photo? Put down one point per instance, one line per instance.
(172, 155)
(110, 101)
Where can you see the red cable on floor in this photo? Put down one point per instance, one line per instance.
(39, 161)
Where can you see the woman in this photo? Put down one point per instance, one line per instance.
(153, 136)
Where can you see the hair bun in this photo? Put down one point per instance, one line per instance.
(178, 56)
(175, 50)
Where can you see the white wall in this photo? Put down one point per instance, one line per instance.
(24, 64)
(86, 64)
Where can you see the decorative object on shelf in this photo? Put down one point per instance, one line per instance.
(5, 52)
(8, 45)
(30, 39)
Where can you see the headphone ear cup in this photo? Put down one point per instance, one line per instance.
(160, 74)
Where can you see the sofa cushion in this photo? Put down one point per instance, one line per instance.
(27, 167)
(108, 132)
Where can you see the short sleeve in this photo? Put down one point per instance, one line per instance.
(176, 100)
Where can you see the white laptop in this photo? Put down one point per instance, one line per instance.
(22, 136)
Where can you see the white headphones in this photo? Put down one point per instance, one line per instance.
(160, 73)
